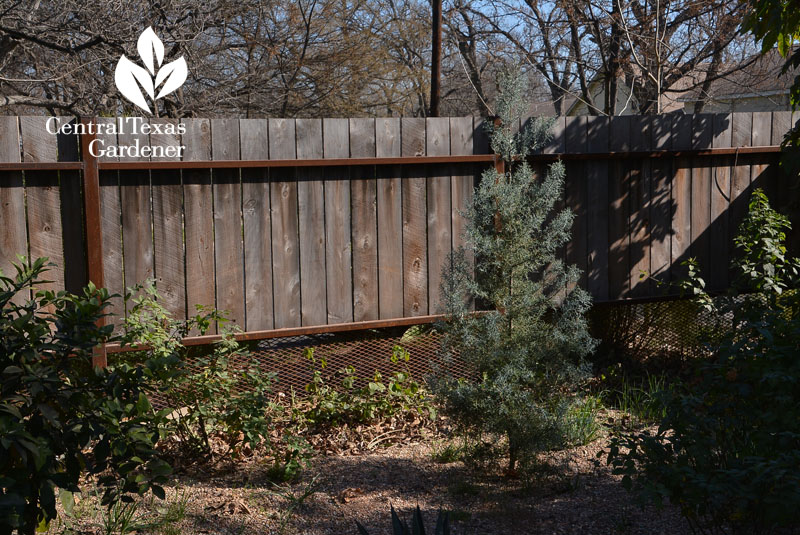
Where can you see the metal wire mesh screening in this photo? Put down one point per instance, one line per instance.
(665, 329)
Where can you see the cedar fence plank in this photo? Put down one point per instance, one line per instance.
(619, 202)
(311, 209)
(199, 218)
(461, 184)
(597, 175)
(168, 247)
(137, 234)
(702, 136)
(338, 253)
(390, 220)
(363, 192)
(415, 259)
(660, 204)
(575, 193)
(439, 209)
(285, 241)
(72, 216)
(13, 233)
(43, 200)
(639, 215)
(256, 218)
(681, 197)
(720, 237)
(228, 246)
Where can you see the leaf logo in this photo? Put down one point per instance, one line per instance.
(134, 82)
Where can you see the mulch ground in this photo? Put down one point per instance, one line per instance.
(575, 496)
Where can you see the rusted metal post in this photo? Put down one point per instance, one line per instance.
(92, 224)
(436, 58)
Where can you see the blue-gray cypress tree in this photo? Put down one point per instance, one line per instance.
(527, 347)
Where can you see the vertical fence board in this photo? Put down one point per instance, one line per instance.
(639, 206)
(439, 209)
(461, 183)
(779, 190)
(761, 136)
(742, 127)
(338, 261)
(111, 223)
(660, 203)
(597, 210)
(137, 234)
(13, 233)
(198, 218)
(285, 241)
(43, 199)
(720, 237)
(681, 196)
(254, 145)
(228, 247)
(75, 263)
(619, 201)
(390, 221)
(311, 209)
(168, 228)
(363, 191)
(702, 135)
(575, 192)
(415, 260)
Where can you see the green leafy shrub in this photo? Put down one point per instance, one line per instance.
(211, 397)
(417, 525)
(355, 400)
(728, 448)
(60, 418)
(527, 349)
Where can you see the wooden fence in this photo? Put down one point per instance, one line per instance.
(311, 222)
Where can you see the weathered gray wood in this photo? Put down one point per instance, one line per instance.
(639, 214)
(338, 253)
(461, 184)
(742, 125)
(168, 229)
(761, 136)
(781, 187)
(311, 200)
(558, 142)
(415, 259)
(720, 237)
(75, 266)
(660, 202)
(363, 191)
(137, 237)
(390, 221)
(285, 240)
(439, 209)
(228, 246)
(43, 200)
(254, 141)
(199, 218)
(575, 193)
(597, 210)
(702, 135)
(681, 197)
(619, 202)
(13, 233)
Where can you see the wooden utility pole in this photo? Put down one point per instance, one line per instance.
(436, 58)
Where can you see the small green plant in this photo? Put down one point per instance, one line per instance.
(294, 500)
(61, 418)
(446, 453)
(358, 400)
(399, 527)
(642, 400)
(582, 425)
(121, 518)
(212, 398)
(291, 457)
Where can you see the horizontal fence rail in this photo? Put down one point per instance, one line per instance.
(300, 225)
